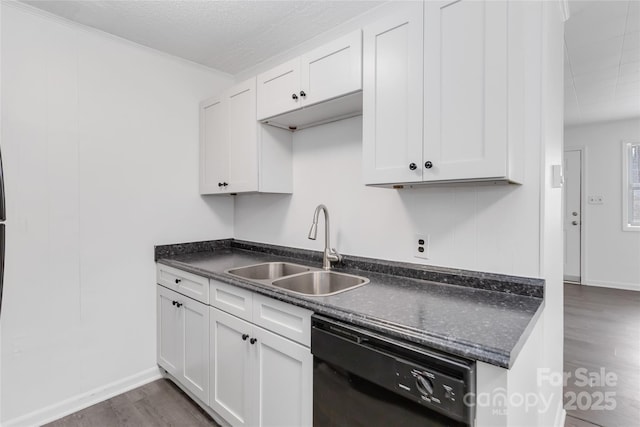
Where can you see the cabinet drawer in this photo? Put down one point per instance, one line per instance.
(188, 284)
(282, 318)
(232, 299)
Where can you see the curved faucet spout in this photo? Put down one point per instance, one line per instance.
(329, 253)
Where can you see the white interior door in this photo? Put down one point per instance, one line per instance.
(572, 214)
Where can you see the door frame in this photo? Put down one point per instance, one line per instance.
(583, 209)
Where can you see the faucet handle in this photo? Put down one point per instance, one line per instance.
(336, 255)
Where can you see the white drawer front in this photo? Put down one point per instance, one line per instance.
(232, 299)
(282, 318)
(188, 284)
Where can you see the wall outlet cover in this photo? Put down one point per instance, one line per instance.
(421, 246)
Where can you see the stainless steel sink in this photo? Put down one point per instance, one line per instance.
(320, 283)
(268, 270)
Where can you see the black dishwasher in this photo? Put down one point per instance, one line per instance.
(362, 378)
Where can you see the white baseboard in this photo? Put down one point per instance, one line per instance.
(84, 400)
(614, 285)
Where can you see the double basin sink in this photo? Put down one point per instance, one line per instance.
(299, 279)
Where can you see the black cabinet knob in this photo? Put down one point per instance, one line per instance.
(244, 337)
(225, 184)
(302, 94)
(253, 340)
(428, 165)
(173, 303)
(294, 96)
(178, 281)
(220, 184)
(413, 166)
(178, 304)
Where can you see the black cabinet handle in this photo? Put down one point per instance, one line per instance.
(178, 304)
(302, 94)
(413, 166)
(244, 337)
(225, 184)
(428, 165)
(220, 184)
(253, 340)
(173, 303)
(294, 96)
(178, 281)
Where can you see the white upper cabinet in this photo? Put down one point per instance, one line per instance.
(214, 145)
(465, 120)
(471, 121)
(392, 97)
(279, 89)
(238, 154)
(328, 73)
(332, 70)
(242, 138)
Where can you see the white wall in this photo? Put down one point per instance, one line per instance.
(611, 255)
(100, 147)
(488, 228)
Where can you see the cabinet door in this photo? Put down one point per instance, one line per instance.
(465, 90)
(169, 332)
(195, 349)
(392, 97)
(284, 380)
(242, 138)
(279, 90)
(214, 155)
(230, 375)
(332, 70)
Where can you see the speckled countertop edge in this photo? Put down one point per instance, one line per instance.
(493, 282)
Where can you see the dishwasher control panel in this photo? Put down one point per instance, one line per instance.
(430, 388)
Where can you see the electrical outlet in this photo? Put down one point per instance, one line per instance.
(421, 246)
(596, 200)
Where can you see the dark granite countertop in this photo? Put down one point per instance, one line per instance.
(480, 316)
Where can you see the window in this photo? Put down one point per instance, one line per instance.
(631, 186)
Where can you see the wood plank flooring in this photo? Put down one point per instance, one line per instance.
(602, 331)
(160, 403)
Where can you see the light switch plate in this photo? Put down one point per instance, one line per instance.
(558, 176)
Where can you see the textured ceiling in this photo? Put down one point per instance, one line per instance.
(229, 36)
(602, 39)
(602, 61)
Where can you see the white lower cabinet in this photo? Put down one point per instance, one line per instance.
(282, 381)
(183, 340)
(246, 356)
(258, 378)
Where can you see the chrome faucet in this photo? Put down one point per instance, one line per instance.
(330, 254)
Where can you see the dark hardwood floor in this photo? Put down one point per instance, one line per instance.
(160, 403)
(602, 331)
